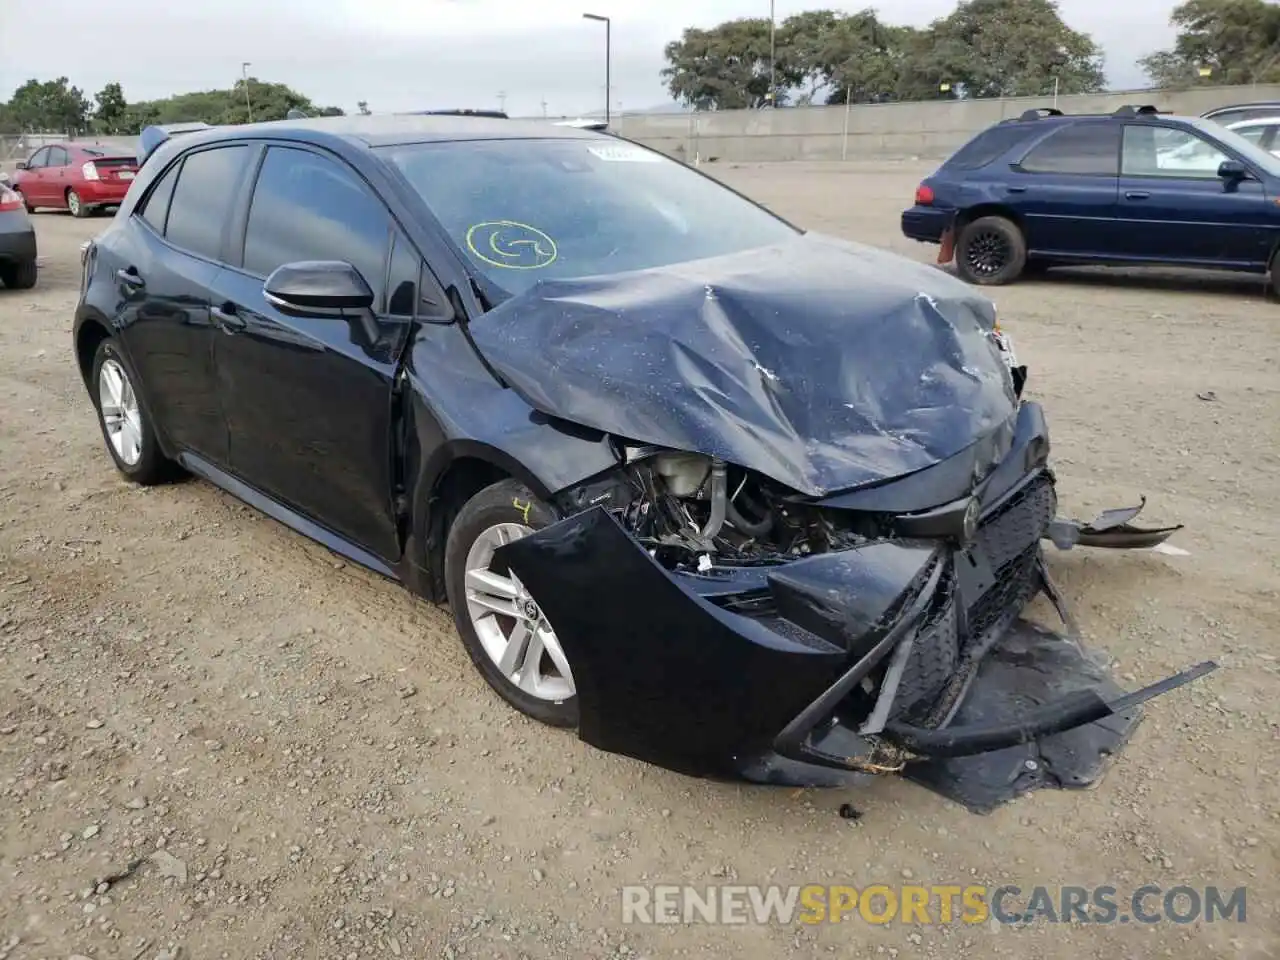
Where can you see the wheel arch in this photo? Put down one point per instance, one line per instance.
(457, 473)
(90, 332)
(991, 209)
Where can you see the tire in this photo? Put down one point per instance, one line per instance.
(76, 206)
(1274, 278)
(990, 251)
(139, 457)
(543, 688)
(19, 276)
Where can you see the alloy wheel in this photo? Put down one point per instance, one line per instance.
(73, 203)
(120, 412)
(512, 629)
(987, 253)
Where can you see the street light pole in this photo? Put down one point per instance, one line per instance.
(772, 54)
(608, 59)
(244, 75)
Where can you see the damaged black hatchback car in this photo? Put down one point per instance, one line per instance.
(721, 494)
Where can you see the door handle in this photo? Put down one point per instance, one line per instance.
(1016, 189)
(227, 319)
(1136, 194)
(130, 278)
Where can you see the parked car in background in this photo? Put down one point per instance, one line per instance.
(1202, 155)
(1133, 187)
(1243, 111)
(75, 177)
(17, 243)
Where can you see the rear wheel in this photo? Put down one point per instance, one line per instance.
(1275, 273)
(18, 276)
(130, 437)
(76, 205)
(505, 633)
(990, 251)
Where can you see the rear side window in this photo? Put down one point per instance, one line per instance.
(1091, 149)
(156, 208)
(985, 147)
(204, 193)
(308, 207)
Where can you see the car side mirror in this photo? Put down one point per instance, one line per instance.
(21, 164)
(1233, 170)
(317, 287)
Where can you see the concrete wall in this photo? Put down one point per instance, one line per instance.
(929, 130)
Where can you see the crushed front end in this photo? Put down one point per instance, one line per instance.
(720, 625)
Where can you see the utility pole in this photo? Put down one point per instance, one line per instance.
(773, 86)
(608, 58)
(244, 76)
(502, 100)
(544, 108)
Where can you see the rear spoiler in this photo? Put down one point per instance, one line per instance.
(152, 137)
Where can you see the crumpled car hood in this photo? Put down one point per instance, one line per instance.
(823, 364)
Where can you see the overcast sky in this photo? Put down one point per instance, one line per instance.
(406, 54)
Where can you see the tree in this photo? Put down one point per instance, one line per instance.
(1006, 48)
(112, 109)
(985, 48)
(51, 105)
(727, 67)
(363, 107)
(1237, 40)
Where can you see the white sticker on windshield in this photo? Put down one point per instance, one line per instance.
(620, 153)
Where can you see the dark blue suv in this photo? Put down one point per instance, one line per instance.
(1133, 187)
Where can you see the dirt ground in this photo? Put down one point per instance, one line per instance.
(330, 778)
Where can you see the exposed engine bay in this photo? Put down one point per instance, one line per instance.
(693, 512)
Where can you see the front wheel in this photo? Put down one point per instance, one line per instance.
(130, 438)
(507, 636)
(990, 251)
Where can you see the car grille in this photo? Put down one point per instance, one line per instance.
(1010, 540)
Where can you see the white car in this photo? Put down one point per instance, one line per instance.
(1199, 154)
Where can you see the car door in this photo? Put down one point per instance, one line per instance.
(55, 177)
(1173, 206)
(32, 182)
(171, 252)
(1065, 189)
(309, 399)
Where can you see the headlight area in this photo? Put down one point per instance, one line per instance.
(697, 514)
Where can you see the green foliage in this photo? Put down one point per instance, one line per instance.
(55, 106)
(1238, 41)
(111, 112)
(985, 48)
(52, 105)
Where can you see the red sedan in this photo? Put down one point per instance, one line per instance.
(74, 177)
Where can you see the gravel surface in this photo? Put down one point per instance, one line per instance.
(217, 739)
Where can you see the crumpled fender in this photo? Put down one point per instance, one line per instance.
(666, 676)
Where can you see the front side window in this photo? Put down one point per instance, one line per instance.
(1089, 149)
(39, 159)
(1166, 152)
(203, 196)
(308, 207)
(527, 210)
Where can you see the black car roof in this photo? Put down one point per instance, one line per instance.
(379, 130)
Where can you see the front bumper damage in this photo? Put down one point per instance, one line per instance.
(906, 656)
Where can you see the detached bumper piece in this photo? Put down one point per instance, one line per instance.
(1112, 529)
(906, 655)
